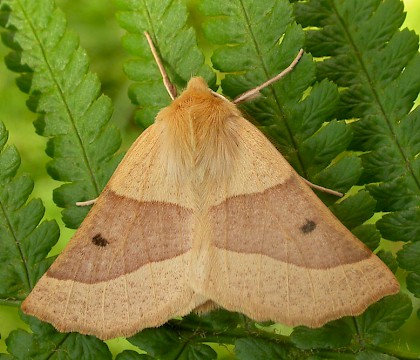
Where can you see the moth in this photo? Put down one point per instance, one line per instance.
(204, 212)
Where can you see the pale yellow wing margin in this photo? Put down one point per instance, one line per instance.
(126, 267)
(278, 253)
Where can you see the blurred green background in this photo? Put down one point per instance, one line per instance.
(100, 35)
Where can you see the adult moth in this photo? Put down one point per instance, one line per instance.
(203, 211)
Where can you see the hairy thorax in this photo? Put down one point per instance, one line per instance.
(201, 128)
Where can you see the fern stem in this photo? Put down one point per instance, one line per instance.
(399, 354)
(150, 22)
(10, 302)
(279, 106)
(29, 284)
(57, 346)
(63, 99)
(359, 333)
(228, 337)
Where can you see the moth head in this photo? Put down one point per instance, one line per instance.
(198, 105)
(197, 90)
(200, 102)
(197, 84)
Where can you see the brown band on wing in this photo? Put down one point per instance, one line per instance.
(286, 222)
(121, 236)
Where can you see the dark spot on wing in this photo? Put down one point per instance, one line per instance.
(308, 227)
(98, 240)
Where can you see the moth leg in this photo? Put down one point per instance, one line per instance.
(86, 203)
(170, 88)
(255, 92)
(323, 189)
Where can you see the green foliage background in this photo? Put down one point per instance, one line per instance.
(314, 130)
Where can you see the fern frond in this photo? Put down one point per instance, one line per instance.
(175, 40)
(21, 263)
(375, 326)
(72, 113)
(44, 342)
(379, 66)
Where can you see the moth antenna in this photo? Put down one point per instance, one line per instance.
(255, 92)
(323, 189)
(86, 203)
(170, 88)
